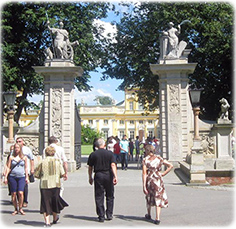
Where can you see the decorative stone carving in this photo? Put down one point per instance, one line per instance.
(33, 144)
(174, 98)
(208, 146)
(56, 112)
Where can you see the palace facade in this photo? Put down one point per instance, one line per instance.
(124, 118)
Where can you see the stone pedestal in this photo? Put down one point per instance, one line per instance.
(224, 158)
(174, 106)
(197, 169)
(59, 103)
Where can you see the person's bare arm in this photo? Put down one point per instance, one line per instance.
(65, 166)
(169, 167)
(144, 176)
(90, 172)
(114, 170)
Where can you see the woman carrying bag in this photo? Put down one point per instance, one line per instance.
(17, 176)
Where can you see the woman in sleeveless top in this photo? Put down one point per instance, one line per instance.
(17, 176)
(153, 185)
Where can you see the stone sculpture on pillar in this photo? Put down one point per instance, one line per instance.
(62, 47)
(224, 112)
(173, 70)
(170, 47)
(59, 72)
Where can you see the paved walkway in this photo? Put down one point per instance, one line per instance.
(188, 206)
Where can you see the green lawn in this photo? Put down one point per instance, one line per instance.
(86, 149)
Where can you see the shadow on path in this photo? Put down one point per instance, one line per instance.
(87, 218)
(30, 223)
(133, 218)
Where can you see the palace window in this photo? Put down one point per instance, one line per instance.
(90, 122)
(105, 122)
(121, 133)
(105, 132)
(150, 133)
(131, 105)
(131, 122)
(131, 134)
(150, 122)
(122, 122)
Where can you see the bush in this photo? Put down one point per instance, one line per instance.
(88, 135)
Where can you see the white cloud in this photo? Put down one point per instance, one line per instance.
(88, 97)
(106, 29)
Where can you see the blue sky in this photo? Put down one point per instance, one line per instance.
(100, 88)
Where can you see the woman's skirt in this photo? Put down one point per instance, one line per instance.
(51, 201)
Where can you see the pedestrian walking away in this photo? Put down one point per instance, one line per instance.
(137, 143)
(103, 163)
(17, 176)
(49, 171)
(117, 150)
(59, 154)
(153, 185)
(124, 151)
(131, 149)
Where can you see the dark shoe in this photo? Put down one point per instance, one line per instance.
(100, 220)
(109, 217)
(157, 222)
(147, 216)
(55, 221)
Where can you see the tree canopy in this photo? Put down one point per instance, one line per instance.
(25, 37)
(209, 35)
(104, 100)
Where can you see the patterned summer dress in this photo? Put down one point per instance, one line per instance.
(154, 182)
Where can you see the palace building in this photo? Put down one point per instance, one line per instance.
(124, 118)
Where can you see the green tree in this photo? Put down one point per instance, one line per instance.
(25, 37)
(88, 135)
(209, 35)
(104, 100)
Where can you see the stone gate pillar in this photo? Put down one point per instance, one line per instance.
(174, 106)
(59, 106)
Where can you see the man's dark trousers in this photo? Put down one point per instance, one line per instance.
(104, 185)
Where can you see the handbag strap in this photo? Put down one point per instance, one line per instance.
(15, 166)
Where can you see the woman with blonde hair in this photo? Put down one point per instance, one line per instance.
(153, 185)
(50, 170)
(17, 176)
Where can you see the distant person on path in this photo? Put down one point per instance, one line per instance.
(131, 149)
(137, 148)
(59, 154)
(110, 144)
(124, 151)
(49, 171)
(153, 185)
(102, 162)
(117, 150)
(30, 163)
(17, 176)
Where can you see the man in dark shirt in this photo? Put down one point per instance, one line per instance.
(102, 162)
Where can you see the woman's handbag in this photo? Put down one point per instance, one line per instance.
(31, 178)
